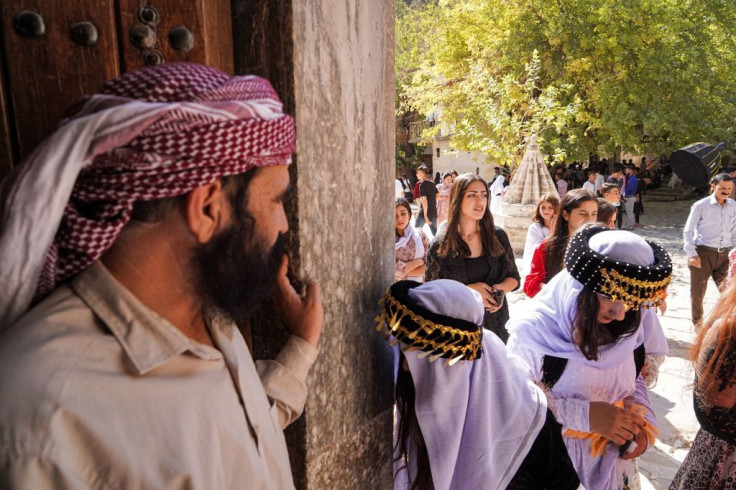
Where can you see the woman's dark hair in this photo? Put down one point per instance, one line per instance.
(589, 335)
(403, 202)
(537, 216)
(409, 432)
(605, 211)
(445, 175)
(451, 242)
(558, 238)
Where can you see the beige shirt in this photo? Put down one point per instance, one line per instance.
(98, 391)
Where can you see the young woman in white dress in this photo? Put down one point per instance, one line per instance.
(542, 221)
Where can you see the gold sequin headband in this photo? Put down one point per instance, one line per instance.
(416, 328)
(632, 284)
(632, 292)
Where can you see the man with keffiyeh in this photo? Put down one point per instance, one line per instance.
(133, 242)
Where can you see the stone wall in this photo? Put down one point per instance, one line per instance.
(515, 219)
(344, 86)
(460, 161)
(332, 63)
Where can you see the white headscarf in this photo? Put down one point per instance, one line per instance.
(545, 326)
(411, 233)
(478, 418)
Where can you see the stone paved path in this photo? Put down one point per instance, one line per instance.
(672, 396)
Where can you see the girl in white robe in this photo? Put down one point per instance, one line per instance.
(592, 319)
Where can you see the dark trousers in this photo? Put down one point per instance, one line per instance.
(547, 465)
(619, 216)
(712, 264)
(419, 223)
(638, 209)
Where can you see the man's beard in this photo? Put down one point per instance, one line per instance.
(236, 272)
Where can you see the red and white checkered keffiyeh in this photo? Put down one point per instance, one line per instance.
(153, 133)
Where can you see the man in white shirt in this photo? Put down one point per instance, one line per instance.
(709, 234)
(590, 184)
(600, 178)
(130, 371)
(398, 189)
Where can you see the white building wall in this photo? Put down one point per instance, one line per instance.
(460, 161)
(637, 158)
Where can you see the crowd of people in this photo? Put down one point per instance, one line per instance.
(630, 181)
(582, 354)
(134, 246)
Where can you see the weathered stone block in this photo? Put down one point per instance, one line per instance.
(333, 64)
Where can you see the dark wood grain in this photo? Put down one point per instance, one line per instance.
(209, 21)
(48, 74)
(7, 158)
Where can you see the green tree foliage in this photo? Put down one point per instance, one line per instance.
(585, 75)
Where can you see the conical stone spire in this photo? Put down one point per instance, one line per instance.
(532, 179)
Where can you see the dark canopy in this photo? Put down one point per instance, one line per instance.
(697, 163)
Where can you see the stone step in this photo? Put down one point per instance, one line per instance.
(663, 194)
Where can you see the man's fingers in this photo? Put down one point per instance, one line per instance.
(284, 292)
(284, 266)
(313, 293)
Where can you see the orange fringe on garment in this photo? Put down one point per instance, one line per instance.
(598, 444)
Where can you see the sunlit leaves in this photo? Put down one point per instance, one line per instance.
(586, 75)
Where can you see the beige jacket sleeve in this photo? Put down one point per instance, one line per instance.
(284, 378)
(20, 473)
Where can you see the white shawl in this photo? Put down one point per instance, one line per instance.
(411, 233)
(28, 223)
(545, 327)
(478, 418)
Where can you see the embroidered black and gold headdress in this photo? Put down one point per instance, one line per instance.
(438, 336)
(634, 285)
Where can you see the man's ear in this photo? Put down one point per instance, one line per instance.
(207, 210)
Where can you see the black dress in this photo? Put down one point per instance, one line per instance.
(711, 462)
(464, 269)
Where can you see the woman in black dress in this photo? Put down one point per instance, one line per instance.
(473, 251)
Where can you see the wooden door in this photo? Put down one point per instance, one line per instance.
(56, 51)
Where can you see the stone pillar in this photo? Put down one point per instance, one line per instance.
(333, 64)
(530, 183)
